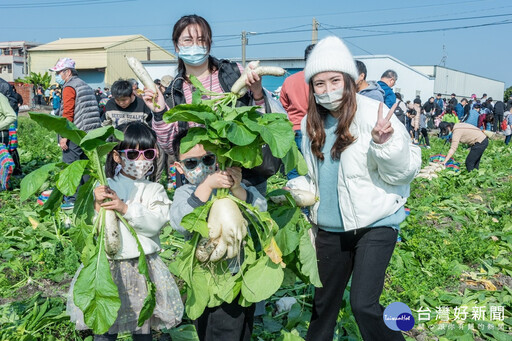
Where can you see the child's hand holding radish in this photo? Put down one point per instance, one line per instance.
(237, 190)
(219, 179)
(101, 193)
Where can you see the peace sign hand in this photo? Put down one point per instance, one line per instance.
(383, 129)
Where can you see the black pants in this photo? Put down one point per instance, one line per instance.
(425, 136)
(475, 154)
(498, 118)
(72, 154)
(227, 322)
(113, 337)
(365, 255)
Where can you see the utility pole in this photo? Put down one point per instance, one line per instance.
(314, 33)
(244, 42)
(25, 71)
(443, 60)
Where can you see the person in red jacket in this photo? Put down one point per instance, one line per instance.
(294, 97)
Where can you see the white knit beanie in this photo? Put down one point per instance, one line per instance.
(330, 54)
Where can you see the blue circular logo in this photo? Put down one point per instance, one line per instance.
(398, 316)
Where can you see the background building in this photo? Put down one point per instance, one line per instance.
(99, 61)
(13, 59)
(423, 81)
(463, 84)
(410, 83)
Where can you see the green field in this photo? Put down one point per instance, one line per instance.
(454, 262)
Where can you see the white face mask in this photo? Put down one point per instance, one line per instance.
(198, 174)
(193, 55)
(137, 169)
(330, 100)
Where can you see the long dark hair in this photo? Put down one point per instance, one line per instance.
(184, 23)
(345, 115)
(135, 133)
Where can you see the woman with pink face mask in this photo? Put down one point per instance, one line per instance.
(145, 205)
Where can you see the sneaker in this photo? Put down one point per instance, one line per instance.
(428, 147)
(67, 206)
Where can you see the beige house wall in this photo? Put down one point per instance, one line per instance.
(138, 48)
(107, 58)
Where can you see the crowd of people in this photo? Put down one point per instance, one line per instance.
(360, 141)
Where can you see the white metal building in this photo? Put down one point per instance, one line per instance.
(423, 81)
(410, 83)
(463, 84)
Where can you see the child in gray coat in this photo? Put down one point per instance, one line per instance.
(229, 320)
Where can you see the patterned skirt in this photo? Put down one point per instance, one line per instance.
(132, 292)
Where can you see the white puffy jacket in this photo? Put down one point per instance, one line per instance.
(373, 179)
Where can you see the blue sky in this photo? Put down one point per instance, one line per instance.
(473, 36)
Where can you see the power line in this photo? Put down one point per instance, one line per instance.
(349, 42)
(354, 12)
(361, 27)
(505, 22)
(61, 4)
(420, 21)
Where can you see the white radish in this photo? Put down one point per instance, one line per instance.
(301, 197)
(226, 223)
(141, 73)
(112, 233)
(231, 251)
(205, 248)
(219, 251)
(240, 88)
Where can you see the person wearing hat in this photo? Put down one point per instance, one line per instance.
(360, 164)
(79, 106)
(164, 83)
(473, 101)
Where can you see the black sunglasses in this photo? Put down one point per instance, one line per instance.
(133, 154)
(192, 162)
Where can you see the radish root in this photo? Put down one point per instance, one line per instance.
(240, 88)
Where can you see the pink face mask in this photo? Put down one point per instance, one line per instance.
(137, 169)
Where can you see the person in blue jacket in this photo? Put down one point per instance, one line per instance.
(459, 108)
(56, 100)
(439, 105)
(387, 81)
(473, 115)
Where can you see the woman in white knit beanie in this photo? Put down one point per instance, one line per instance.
(360, 166)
